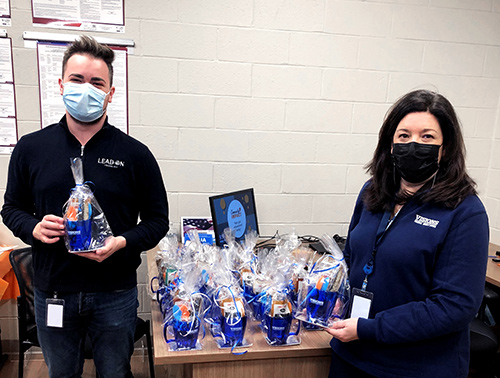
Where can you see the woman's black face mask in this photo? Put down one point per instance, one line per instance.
(415, 162)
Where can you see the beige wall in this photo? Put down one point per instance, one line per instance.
(287, 96)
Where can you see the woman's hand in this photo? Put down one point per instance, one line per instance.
(344, 330)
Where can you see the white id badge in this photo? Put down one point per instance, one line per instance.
(361, 303)
(55, 310)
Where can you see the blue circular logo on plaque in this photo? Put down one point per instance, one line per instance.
(236, 218)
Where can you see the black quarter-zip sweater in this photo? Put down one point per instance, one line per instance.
(128, 185)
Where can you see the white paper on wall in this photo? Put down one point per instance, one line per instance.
(94, 15)
(8, 121)
(50, 57)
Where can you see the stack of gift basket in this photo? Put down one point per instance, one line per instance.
(204, 289)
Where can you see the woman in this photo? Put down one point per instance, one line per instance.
(417, 250)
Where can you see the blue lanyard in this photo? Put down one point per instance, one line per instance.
(383, 227)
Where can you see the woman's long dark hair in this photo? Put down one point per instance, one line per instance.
(452, 183)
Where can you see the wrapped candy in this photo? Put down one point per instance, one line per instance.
(247, 267)
(324, 295)
(85, 224)
(232, 318)
(185, 326)
(167, 260)
(266, 265)
(183, 320)
(278, 318)
(261, 278)
(228, 319)
(224, 288)
(276, 300)
(181, 302)
(301, 257)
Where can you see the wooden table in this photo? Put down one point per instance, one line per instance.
(493, 269)
(309, 359)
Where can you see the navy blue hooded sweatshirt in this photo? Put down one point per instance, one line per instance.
(128, 185)
(428, 281)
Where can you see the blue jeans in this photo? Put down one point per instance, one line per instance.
(107, 317)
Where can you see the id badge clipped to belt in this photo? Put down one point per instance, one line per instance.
(361, 303)
(55, 312)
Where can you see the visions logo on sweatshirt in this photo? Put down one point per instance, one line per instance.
(426, 221)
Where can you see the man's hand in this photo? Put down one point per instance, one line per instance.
(49, 230)
(344, 330)
(111, 245)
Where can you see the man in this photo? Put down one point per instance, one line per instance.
(96, 291)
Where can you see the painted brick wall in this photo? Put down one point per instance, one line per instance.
(287, 97)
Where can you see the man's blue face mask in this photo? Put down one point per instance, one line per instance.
(84, 101)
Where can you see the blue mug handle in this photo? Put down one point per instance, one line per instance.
(297, 331)
(151, 284)
(165, 334)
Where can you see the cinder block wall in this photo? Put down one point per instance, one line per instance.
(287, 97)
